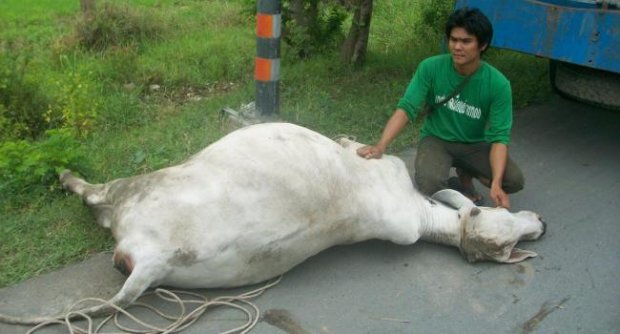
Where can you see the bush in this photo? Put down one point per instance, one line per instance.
(75, 105)
(26, 112)
(433, 17)
(323, 31)
(118, 25)
(25, 164)
(22, 103)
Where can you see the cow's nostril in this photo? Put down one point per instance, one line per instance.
(544, 224)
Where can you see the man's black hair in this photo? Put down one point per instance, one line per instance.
(474, 22)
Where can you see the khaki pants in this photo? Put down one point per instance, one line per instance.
(435, 157)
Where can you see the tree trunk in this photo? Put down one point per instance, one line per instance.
(296, 8)
(304, 14)
(88, 8)
(356, 44)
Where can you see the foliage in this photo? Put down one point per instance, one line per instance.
(22, 102)
(322, 30)
(116, 25)
(75, 104)
(39, 130)
(120, 64)
(433, 16)
(26, 163)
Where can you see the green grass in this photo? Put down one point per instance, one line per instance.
(201, 58)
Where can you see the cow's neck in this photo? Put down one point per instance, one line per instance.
(440, 224)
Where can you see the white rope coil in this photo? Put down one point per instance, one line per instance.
(177, 322)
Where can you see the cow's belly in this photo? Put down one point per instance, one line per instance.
(242, 235)
(253, 260)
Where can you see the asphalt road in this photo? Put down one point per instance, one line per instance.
(570, 154)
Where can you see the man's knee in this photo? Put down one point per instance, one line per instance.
(429, 183)
(432, 166)
(513, 182)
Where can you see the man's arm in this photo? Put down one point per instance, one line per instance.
(394, 126)
(498, 158)
(407, 109)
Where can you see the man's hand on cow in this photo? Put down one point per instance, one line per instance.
(499, 197)
(370, 152)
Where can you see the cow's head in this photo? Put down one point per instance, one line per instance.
(492, 233)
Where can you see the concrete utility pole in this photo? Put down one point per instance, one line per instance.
(267, 67)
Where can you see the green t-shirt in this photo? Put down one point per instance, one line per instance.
(482, 111)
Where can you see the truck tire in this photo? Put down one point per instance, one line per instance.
(600, 88)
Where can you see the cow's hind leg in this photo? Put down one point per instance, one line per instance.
(140, 279)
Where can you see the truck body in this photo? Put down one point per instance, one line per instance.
(580, 38)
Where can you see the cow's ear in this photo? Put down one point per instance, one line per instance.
(453, 198)
(518, 255)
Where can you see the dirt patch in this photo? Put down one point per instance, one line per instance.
(544, 311)
(283, 320)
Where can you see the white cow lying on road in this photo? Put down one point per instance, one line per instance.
(266, 197)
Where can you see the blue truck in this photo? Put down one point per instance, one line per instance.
(581, 39)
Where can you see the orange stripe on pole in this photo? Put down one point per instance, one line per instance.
(264, 25)
(262, 70)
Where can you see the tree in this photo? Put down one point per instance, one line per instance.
(312, 25)
(304, 12)
(355, 45)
